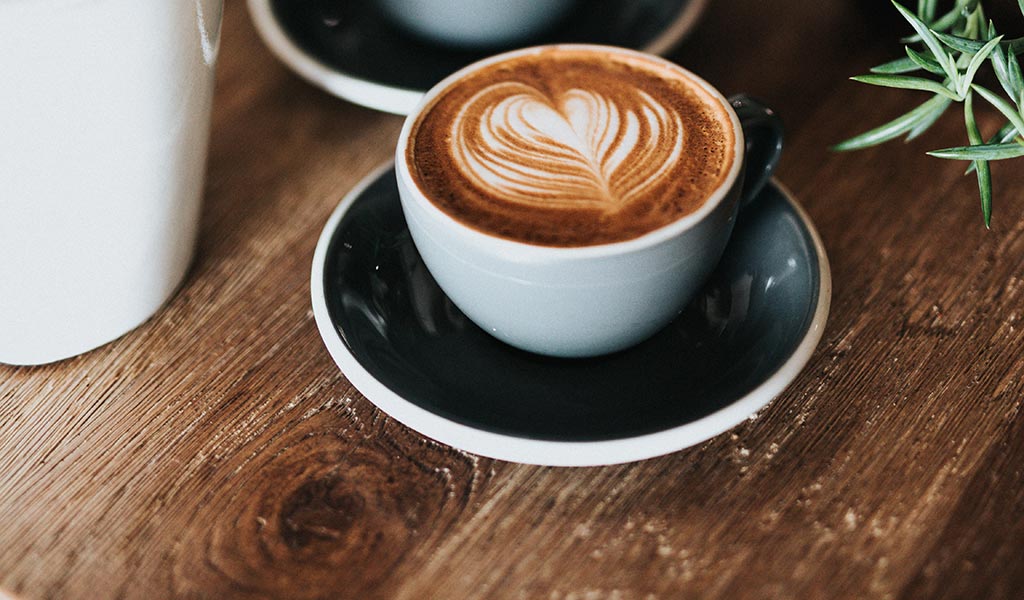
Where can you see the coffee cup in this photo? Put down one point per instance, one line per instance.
(475, 23)
(572, 199)
(104, 114)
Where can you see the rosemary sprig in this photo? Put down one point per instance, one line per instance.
(943, 57)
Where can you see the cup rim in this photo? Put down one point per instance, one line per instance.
(646, 240)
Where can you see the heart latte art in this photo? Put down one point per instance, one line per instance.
(570, 147)
(581, 150)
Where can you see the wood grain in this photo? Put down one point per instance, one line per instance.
(217, 452)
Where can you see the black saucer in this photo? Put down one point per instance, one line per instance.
(350, 49)
(410, 351)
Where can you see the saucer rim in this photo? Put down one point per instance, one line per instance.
(551, 452)
(394, 99)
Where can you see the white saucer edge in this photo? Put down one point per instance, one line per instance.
(556, 453)
(678, 30)
(395, 100)
(358, 91)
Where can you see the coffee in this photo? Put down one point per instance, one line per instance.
(572, 147)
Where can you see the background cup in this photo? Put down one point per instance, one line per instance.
(104, 114)
(586, 301)
(475, 23)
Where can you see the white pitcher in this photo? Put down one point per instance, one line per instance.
(104, 124)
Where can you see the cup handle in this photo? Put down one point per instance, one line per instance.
(762, 130)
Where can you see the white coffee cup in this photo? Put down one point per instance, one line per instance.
(475, 23)
(104, 121)
(591, 300)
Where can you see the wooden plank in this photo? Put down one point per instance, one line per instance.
(217, 451)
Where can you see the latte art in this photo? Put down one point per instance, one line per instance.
(571, 146)
(581, 150)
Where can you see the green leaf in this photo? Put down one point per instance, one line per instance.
(963, 44)
(908, 83)
(896, 67)
(897, 127)
(928, 38)
(981, 166)
(1015, 76)
(921, 61)
(958, 43)
(1005, 134)
(974, 27)
(976, 61)
(984, 174)
(930, 118)
(947, 20)
(1021, 2)
(981, 152)
(943, 23)
(1015, 45)
(1001, 68)
(1002, 106)
(974, 9)
(926, 10)
(1008, 73)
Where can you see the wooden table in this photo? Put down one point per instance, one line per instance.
(218, 452)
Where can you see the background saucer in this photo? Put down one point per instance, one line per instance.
(403, 344)
(347, 48)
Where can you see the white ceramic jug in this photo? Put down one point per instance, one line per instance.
(104, 124)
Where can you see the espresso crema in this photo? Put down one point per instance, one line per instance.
(571, 147)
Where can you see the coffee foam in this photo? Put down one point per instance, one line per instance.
(570, 147)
